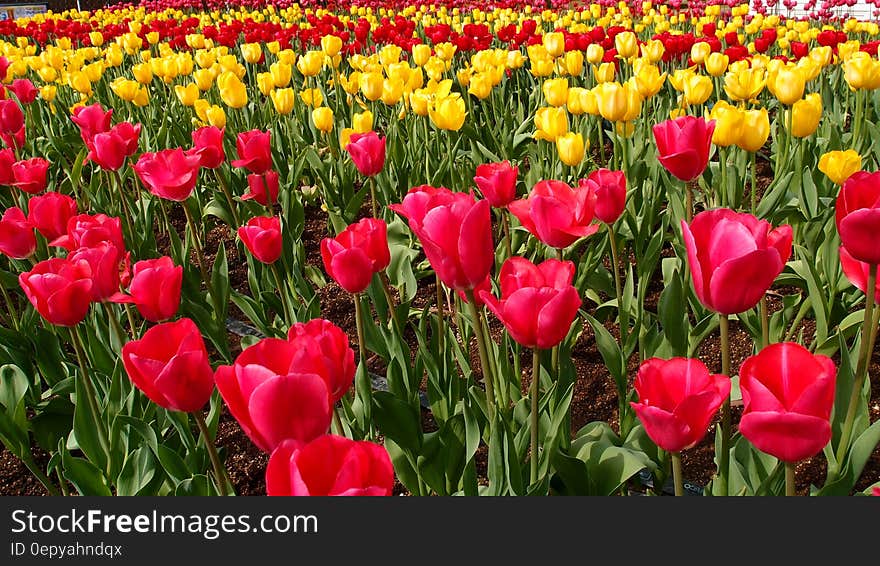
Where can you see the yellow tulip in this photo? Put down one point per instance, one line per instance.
(79, 82)
(251, 52)
(744, 85)
(362, 122)
(574, 103)
(700, 51)
(94, 71)
(862, 72)
(352, 83)
(627, 44)
(515, 59)
(542, 67)
(265, 83)
(480, 86)
(653, 50)
(648, 80)
(570, 147)
(555, 91)
(448, 113)
(310, 63)
(232, 90)
(153, 37)
(787, 84)
(96, 38)
(389, 55)
(604, 73)
(204, 78)
(755, 130)
(435, 67)
(554, 43)
(421, 53)
(311, 97)
(840, 165)
(281, 74)
(419, 101)
(142, 73)
(345, 137)
(595, 53)
(574, 63)
(697, 89)
(716, 64)
(372, 85)
(445, 51)
(392, 91)
(728, 124)
(611, 99)
(331, 45)
(47, 74)
(464, 76)
(187, 95)
(282, 100)
(805, 116)
(323, 119)
(550, 123)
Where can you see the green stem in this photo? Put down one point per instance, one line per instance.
(91, 396)
(225, 188)
(753, 167)
(618, 288)
(501, 392)
(688, 203)
(601, 143)
(724, 457)
(533, 428)
(288, 317)
(219, 471)
(13, 315)
(790, 490)
(362, 354)
(127, 214)
(337, 422)
(373, 197)
(114, 322)
(862, 368)
(386, 289)
(477, 323)
(505, 225)
(676, 473)
(441, 325)
(200, 256)
(765, 323)
(722, 161)
(61, 482)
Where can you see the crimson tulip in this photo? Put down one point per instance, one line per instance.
(60, 290)
(24, 90)
(263, 188)
(538, 302)
(16, 234)
(677, 400)
(734, 258)
(170, 365)
(14, 140)
(367, 152)
(556, 213)
(155, 288)
(788, 394)
(208, 145)
(109, 149)
(858, 216)
(857, 271)
(262, 237)
(7, 159)
(170, 174)
(30, 175)
(359, 251)
(104, 260)
(497, 182)
(683, 145)
(322, 348)
(86, 230)
(330, 465)
(254, 151)
(49, 214)
(11, 116)
(91, 120)
(270, 399)
(455, 230)
(610, 189)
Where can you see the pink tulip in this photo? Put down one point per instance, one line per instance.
(497, 182)
(170, 174)
(610, 189)
(367, 151)
(262, 237)
(557, 214)
(254, 151)
(16, 234)
(208, 145)
(858, 216)
(359, 251)
(683, 145)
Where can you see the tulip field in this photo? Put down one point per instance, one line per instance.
(440, 248)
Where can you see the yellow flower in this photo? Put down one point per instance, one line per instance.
(282, 100)
(311, 97)
(204, 78)
(345, 137)
(96, 38)
(574, 63)
(187, 95)
(47, 92)
(330, 45)
(697, 89)
(574, 104)
(805, 116)
(556, 91)
(392, 91)
(310, 63)
(653, 50)
(323, 119)
(862, 72)
(480, 85)
(627, 44)
(604, 73)
(265, 83)
(372, 85)
(755, 130)
(611, 99)
(595, 53)
(554, 43)
(648, 80)
(389, 55)
(550, 123)
(79, 82)
(142, 73)
(352, 83)
(252, 52)
(515, 59)
(728, 124)
(419, 101)
(700, 51)
(787, 84)
(448, 113)
(232, 90)
(716, 64)
(421, 53)
(840, 165)
(281, 74)
(445, 51)
(363, 122)
(542, 67)
(570, 147)
(745, 84)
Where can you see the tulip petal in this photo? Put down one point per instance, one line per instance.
(791, 437)
(665, 429)
(737, 285)
(858, 232)
(291, 406)
(556, 316)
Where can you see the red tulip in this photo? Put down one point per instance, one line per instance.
(86, 230)
(330, 465)
(262, 237)
(14, 140)
(104, 260)
(367, 152)
(734, 258)
(322, 348)
(788, 394)
(610, 189)
(7, 159)
(497, 182)
(538, 302)
(154, 288)
(4, 67)
(170, 173)
(109, 149)
(24, 90)
(60, 290)
(456, 234)
(857, 271)
(359, 251)
(270, 399)
(11, 116)
(30, 175)
(263, 188)
(16, 234)
(254, 151)
(858, 216)
(49, 214)
(683, 145)
(170, 365)
(677, 400)
(208, 145)
(557, 214)
(92, 120)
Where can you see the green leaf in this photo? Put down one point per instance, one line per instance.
(672, 310)
(611, 353)
(198, 485)
(137, 473)
(398, 420)
(85, 477)
(173, 464)
(85, 426)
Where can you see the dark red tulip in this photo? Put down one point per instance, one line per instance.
(14, 140)
(677, 400)
(254, 151)
(497, 182)
(170, 365)
(16, 234)
(170, 174)
(858, 216)
(60, 290)
(49, 214)
(788, 394)
(30, 175)
(263, 188)
(683, 145)
(322, 348)
(208, 145)
(330, 465)
(359, 251)
(367, 152)
(262, 237)
(610, 189)
(557, 214)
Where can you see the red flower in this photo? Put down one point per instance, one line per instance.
(497, 182)
(367, 152)
(858, 216)
(86, 230)
(49, 214)
(557, 214)
(92, 120)
(60, 290)
(788, 394)
(262, 237)
(683, 145)
(677, 400)
(24, 90)
(359, 251)
(263, 188)
(155, 288)
(322, 348)
(30, 175)
(254, 151)
(7, 159)
(610, 189)
(109, 149)
(170, 365)
(16, 234)
(104, 260)
(170, 174)
(857, 271)
(330, 465)
(208, 145)
(11, 116)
